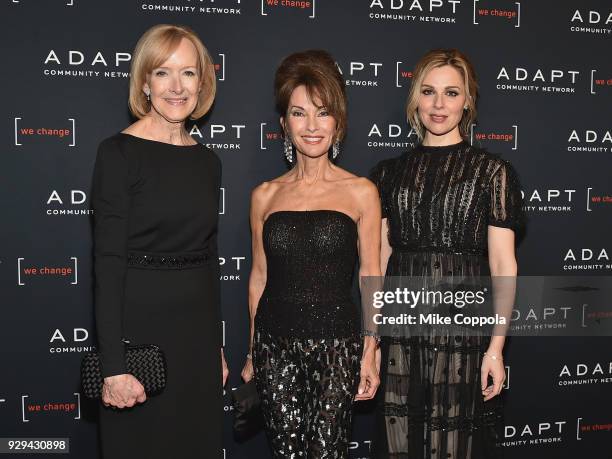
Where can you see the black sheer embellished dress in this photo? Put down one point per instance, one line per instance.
(307, 347)
(439, 202)
(157, 282)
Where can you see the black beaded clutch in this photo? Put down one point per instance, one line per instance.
(145, 362)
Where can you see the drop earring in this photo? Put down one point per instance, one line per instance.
(336, 149)
(288, 149)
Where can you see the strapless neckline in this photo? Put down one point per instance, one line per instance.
(306, 212)
(310, 260)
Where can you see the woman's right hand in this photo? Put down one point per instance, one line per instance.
(122, 391)
(247, 372)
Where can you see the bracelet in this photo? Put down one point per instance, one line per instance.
(374, 335)
(494, 357)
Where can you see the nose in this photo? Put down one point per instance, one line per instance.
(176, 85)
(438, 101)
(311, 123)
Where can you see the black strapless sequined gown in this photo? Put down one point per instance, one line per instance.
(307, 345)
(439, 202)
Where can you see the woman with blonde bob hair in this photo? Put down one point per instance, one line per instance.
(450, 211)
(155, 196)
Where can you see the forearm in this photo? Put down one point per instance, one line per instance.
(503, 273)
(257, 284)
(370, 345)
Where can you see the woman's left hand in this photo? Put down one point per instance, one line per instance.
(224, 369)
(495, 368)
(369, 379)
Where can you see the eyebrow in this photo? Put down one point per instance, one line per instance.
(447, 87)
(182, 68)
(322, 107)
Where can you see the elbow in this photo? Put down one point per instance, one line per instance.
(503, 267)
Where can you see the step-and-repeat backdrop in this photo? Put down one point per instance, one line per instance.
(545, 77)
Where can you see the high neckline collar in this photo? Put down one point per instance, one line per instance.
(442, 148)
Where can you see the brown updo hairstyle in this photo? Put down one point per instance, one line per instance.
(317, 71)
(153, 49)
(438, 58)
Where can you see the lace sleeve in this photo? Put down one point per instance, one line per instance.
(506, 209)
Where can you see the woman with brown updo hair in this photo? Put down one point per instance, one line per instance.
(450, 210)
(309, 227)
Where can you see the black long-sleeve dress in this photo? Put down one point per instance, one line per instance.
(439, 202)
(157, 282)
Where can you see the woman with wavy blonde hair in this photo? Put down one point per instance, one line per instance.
(450, 210)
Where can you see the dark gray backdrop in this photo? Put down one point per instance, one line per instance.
(546, 87)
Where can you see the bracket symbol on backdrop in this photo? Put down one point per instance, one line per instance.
(74, 282)
(518, 14)
(70, 2)
(588, 208)
(514, 128)
(23, 411)
(599, 82)
(72, 120)
(506, 385)
(397, 64)
(222, 77)
(222, 199)
(312, 16)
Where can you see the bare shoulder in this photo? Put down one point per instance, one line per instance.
(262, 193)
(363, 188)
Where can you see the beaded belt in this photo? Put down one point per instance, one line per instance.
(185, 260)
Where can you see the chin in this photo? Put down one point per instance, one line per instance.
(439, 130)
(176, 117)
(314, 154)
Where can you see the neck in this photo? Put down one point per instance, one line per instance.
(158, 128)
(311, 169)
(450, 138)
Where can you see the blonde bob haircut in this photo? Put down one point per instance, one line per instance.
(153, 49)
(439, 58)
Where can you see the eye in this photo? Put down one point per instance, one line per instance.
(323, 113)
(160, 73)
(297, 113)
(427, 92)
(190, 73)
(452, 93)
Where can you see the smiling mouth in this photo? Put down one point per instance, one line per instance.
(312, 139)
(181, 101)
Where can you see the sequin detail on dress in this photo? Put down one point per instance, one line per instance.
(307, 346)
(310, 259)
(307, 387)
